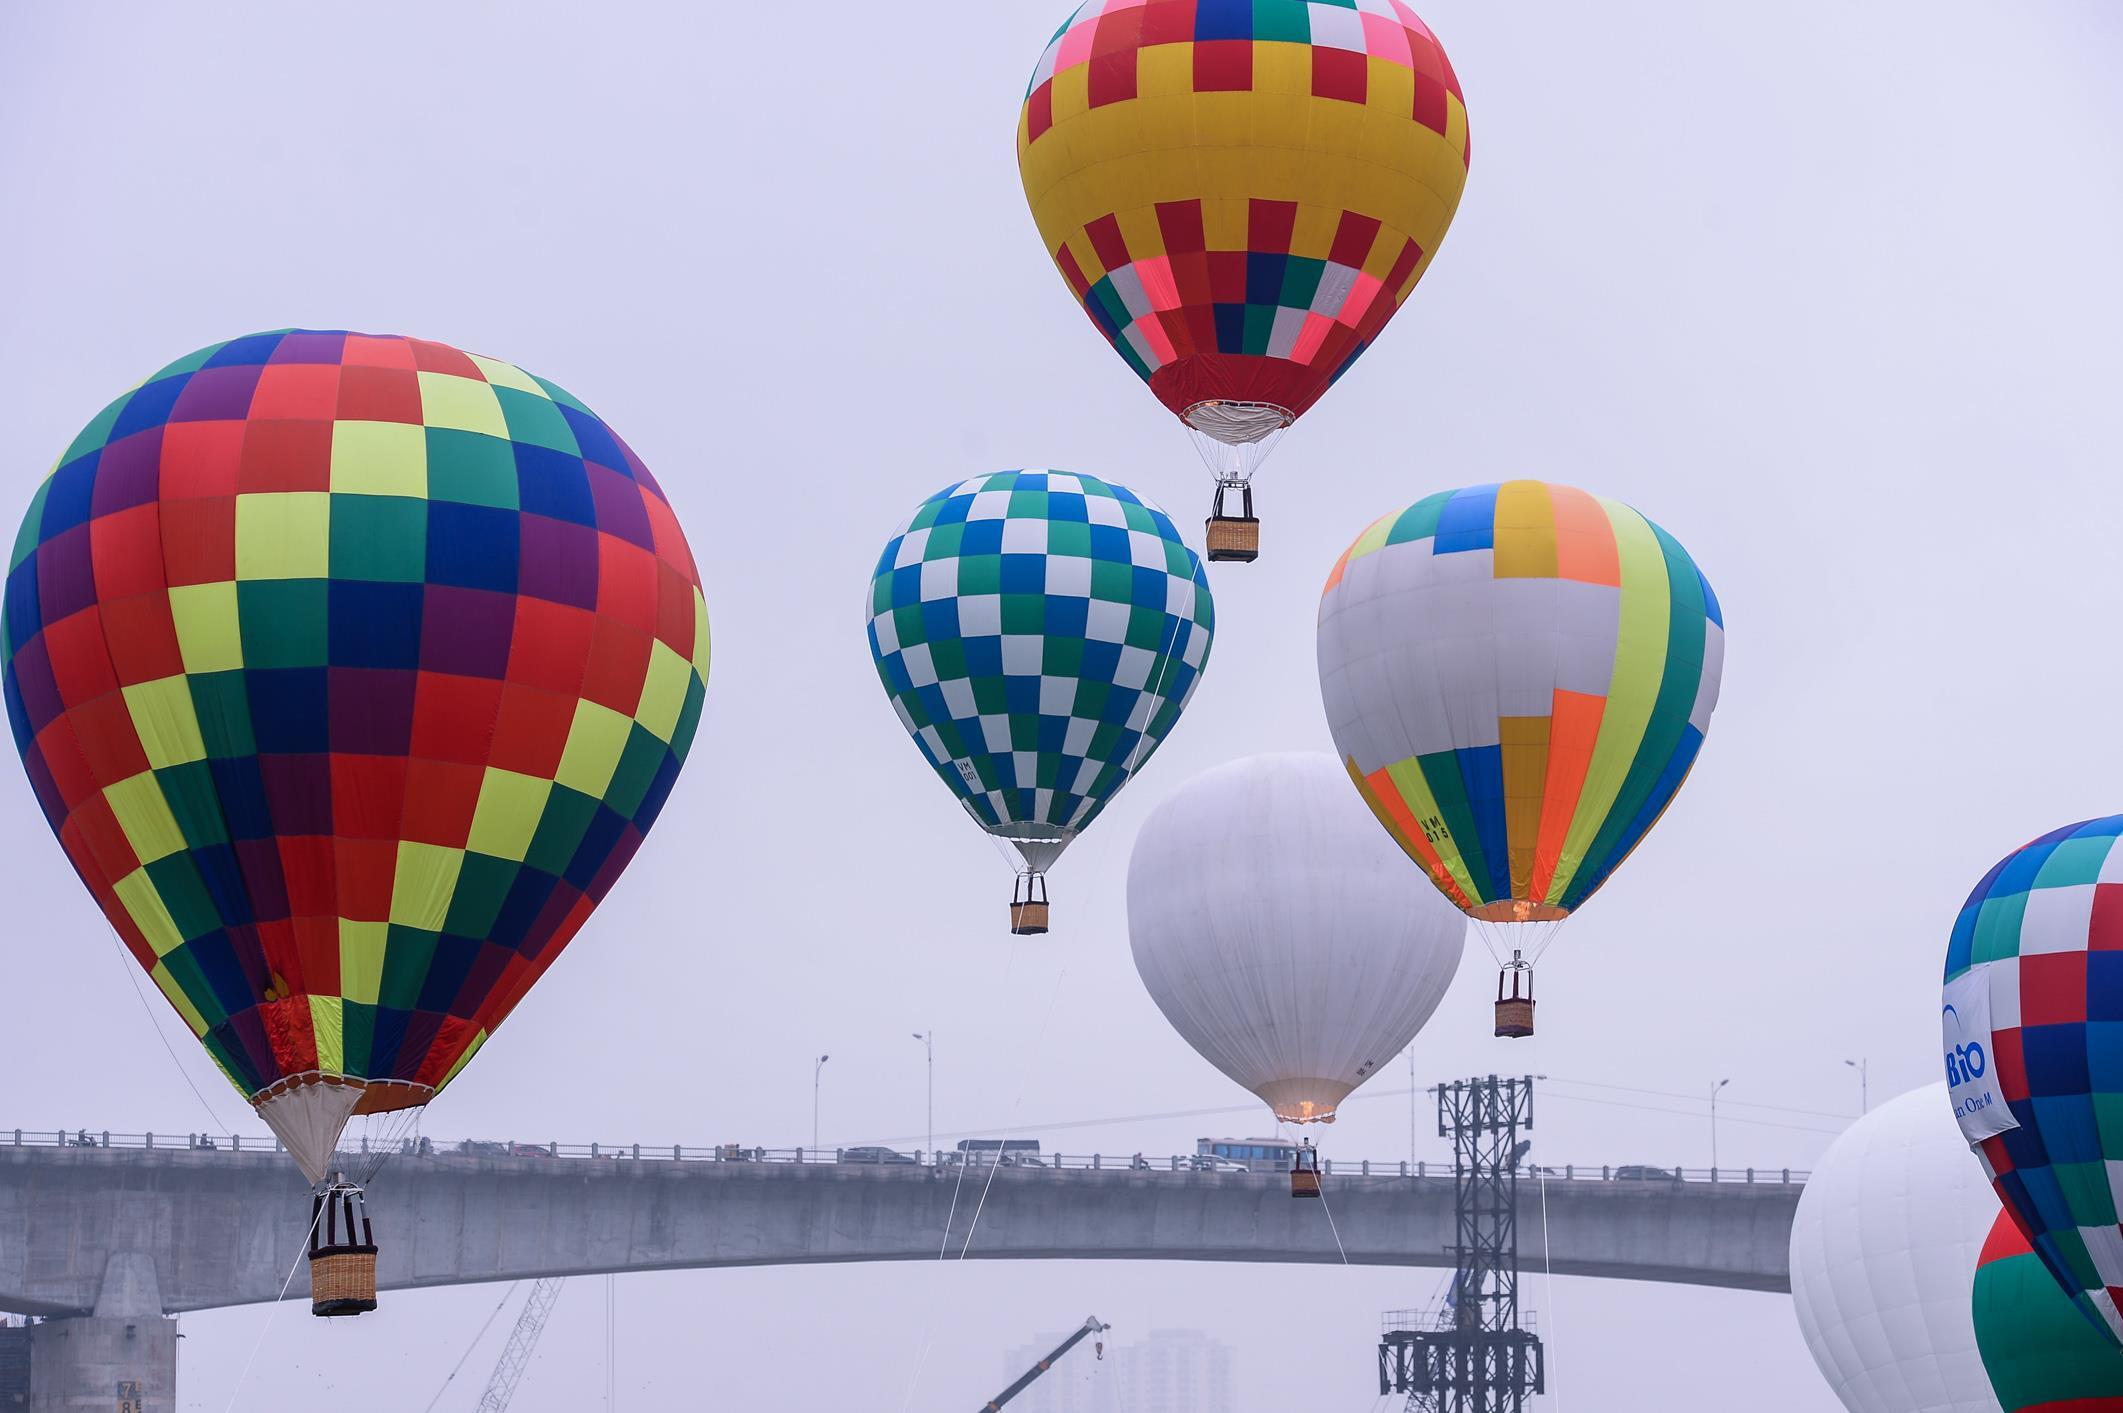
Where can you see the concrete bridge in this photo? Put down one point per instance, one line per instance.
(220, 1228)
(107, 1239)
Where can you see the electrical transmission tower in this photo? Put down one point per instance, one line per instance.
(516, 1354)
(1471, 1355)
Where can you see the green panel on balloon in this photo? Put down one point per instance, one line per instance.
(2042, 1354)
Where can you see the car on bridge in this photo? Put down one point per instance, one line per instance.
(1638, 1172)
(481, 1148)
(873, 1154)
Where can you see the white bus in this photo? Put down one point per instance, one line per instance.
(995, 1152)
(1261, 1155)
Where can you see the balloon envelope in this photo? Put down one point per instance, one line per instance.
(2034, 974)
(1038, 634)
(1282, 935)
(1518, 679)
(1241, 195)
(350, 672)
(2041, 1352)
(1883, 1252)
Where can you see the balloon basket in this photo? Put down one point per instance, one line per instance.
(342, 1283)
(1028, 905)
(1233, 539)
(1514, 1012)
(342, 1254)
(1305, 1172)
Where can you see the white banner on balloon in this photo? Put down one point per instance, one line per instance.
(1971, 1073)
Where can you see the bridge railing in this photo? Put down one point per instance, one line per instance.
(948, 1159)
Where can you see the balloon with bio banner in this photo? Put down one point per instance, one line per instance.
(2031, 1015)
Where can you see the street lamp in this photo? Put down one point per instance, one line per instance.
(928, 1040)
(816, 1070)
(1714, 1127)
(1864, 1083)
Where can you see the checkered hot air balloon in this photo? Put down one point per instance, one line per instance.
(1039, 634)
(2042, 1354)
(350, 672)
(1241, 193)
(1518, 678)
(2032, 1021)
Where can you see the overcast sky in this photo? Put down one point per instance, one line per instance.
(1829, 291)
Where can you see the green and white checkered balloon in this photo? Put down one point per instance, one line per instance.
(1039, 634)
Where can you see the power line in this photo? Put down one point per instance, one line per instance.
(1685, 1114)
(1115, 1120)
(1698, 1099)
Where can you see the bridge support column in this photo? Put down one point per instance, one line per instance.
(122, 1359)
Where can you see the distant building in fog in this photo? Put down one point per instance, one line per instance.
(1171, 1371)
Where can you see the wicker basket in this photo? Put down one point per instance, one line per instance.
(1514, 1017)
(1233, 538)
(1304, 1182)
(342, 1282)
(1028, 918)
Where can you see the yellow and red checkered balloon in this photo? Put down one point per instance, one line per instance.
(1241, 193)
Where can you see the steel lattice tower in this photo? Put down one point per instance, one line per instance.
(1472, 1354)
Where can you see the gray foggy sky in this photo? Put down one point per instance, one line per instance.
(1829, 291)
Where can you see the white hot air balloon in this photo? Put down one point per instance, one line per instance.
(1883, 1261)
(1282, 932)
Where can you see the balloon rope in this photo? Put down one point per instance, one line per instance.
(492, 1315)
(1038, 1045)
(301, 1250)
(1156, 698)
(1547, 1265)
(132, 972)
(951, 1217)
(1330, 1220)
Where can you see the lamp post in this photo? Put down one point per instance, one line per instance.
(816, 1070)
(928, 1040)
(1714, 1127)
(1864, 1083)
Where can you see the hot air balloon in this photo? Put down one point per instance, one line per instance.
(2034, 975)
(1883, 1251)
(1241, 193)
(1282, 935)
(1039, 634)
(350, 672)
(1518, 678)
(2042, 1355)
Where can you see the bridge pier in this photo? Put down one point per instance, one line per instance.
(123, 1357)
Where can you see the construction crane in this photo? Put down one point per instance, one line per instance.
(1090, 1327)
(516, 1354)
